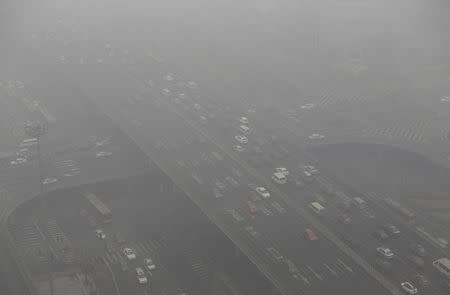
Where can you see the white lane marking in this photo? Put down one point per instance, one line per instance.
(314, 273)
(304, 278)
(332, 271)
(345, 266)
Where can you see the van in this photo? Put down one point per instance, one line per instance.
(443, 266)
(245, 129)
(279, 178)
(317, 207)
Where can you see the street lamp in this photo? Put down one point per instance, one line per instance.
(37, 129)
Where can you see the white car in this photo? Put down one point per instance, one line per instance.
(241, 139)
(238, 148)
(282, 170)
(316, 136)
(243, 120)
(169, 78)
(100, 234)
(409, 288)
(263, 192)
(385, 252)
(142, 279)
(166, 92)
(307, 106)
(18, 161)
(103, 154)
(192, 85)
(311, 169)
(129, 253)
(445, 98)
(149, 264)
(219, 184)
(49, 180)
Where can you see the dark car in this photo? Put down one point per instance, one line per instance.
(350, 242)
(418, 249)
(383, 265)
(380, 235)
(391, 229)
(422, 281)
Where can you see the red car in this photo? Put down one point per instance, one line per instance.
(252, 207)
(310, 235)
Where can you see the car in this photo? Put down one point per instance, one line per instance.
(316, 136)
(241, 139)
(307, 106)
(350, 242)
(282, 170)
(72, 172)
(251, 231)
(103, 154)
(220, 185)
(263, 192)
(232, 181)
(275, 254)
(418, 249)
(119, 238)
(409, 288)
(166, 92)
(18, 161)
(344, 219)
(445, 285)
(142, 279)
(192, 85)
(197, 106)
(380, 234)
(292, 268)
(391, 229)
(149, 264)
(238, 148)
(169, 78)
(385, 252)
(422, 281)
(217, 193)
(243, 120)
(383, 265)
(254, 197)
(252, 207)
(49, 180)
(445, 98)
(100, 234)
(129, 253)
(123, 265)
(310, 235)
(416, 261)
(311, 169)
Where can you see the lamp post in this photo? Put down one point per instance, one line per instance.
(37, 129)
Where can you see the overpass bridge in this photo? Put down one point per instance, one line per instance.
(195, 161)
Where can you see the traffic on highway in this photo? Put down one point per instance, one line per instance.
(159, 166)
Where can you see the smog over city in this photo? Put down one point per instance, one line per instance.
(224, 147)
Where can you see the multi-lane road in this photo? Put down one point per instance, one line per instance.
(192, 136)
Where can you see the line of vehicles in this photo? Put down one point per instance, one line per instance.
(281, 176)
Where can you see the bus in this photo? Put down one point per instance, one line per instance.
(101, 207)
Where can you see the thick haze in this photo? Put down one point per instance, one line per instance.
(268, 27)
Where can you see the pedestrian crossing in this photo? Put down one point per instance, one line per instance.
(196, 263)
(30, 240)
(60, 242)
(411, 134)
